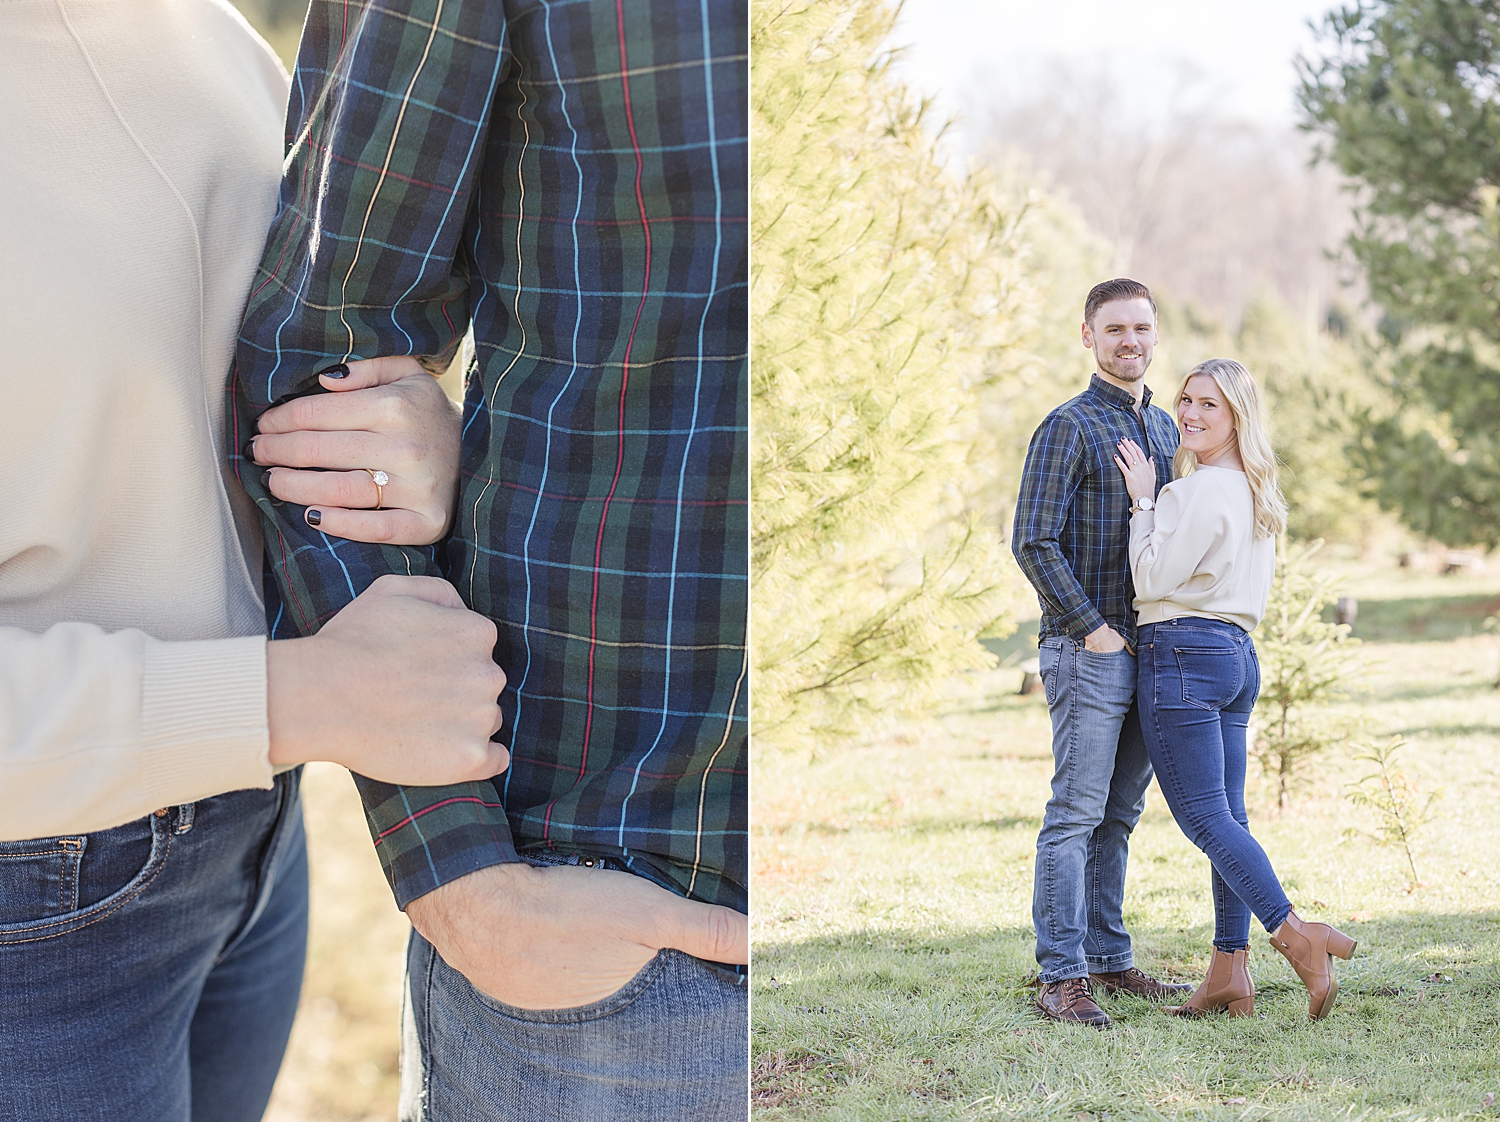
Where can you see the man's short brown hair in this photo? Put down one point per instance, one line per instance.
(1121, 288)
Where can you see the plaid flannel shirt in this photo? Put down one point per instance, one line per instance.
(1072, 527)
(568, 178)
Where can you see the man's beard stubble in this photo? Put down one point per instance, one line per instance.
(1124, 374)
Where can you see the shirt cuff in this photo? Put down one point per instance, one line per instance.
(203, 718)
(1082, 621)
(428, 836)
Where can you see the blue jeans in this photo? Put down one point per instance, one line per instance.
(1098, 792)
(150, 973)
(672, 1045)
(1199, 680)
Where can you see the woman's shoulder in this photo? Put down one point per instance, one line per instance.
(247, 46)
(1209, 493)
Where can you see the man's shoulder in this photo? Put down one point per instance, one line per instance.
(1074, 413)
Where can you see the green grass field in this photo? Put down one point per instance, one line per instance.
(893, 932)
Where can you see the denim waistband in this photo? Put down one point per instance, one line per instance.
(1233, 630)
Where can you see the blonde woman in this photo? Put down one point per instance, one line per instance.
(1203, 556)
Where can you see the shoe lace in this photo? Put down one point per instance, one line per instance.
(1075, 988)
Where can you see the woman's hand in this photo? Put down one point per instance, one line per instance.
(400, 685)
(385, 414)
(1138, 469)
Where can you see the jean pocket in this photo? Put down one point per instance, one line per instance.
(1210, 676)
(53, 886)
(621, 999)
(1049, 658)
(39, 878)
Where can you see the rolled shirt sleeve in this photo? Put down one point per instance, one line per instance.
(1055, 465)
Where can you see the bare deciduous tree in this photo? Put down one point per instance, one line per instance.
(1211, 210)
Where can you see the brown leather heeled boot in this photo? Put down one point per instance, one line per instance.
(1307, 946)
(1227, 985)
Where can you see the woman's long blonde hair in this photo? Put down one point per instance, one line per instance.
(1253, 430)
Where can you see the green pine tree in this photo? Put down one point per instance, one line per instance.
(1304, 663)
(890, 293)
(1404, 92)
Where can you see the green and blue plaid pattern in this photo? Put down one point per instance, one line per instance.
(569, 178)
(1072, 527)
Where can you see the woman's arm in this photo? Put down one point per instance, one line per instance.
(98, 728)
(386, 415)
(1168, 544)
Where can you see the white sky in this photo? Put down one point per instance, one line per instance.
(1241, 49)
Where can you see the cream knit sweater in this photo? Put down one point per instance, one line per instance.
(140, 150)
(1198, 554)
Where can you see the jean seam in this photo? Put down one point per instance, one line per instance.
(1243, 877)
(290, 787)
(424, 1032)
(1048, 857)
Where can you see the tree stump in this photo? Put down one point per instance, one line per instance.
(1031, 676)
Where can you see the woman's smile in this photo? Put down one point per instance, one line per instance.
(1207, 423)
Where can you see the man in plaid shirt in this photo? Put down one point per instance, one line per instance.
(1071, 538)
(568, 180)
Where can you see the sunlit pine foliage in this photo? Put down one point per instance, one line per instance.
(887, 289)
(1396, 800)
(1304, 664)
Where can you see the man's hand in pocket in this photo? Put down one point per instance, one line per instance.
(562, 936)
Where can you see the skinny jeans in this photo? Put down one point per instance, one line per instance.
(150, 972)
(1198, 680)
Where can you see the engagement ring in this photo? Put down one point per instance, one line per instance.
(381, 479)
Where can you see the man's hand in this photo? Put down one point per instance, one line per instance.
(562, 936)
(400, 686)
(386, 414)
(1104, 639)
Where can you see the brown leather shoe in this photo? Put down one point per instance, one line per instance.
(1071, 1002)
(1309, 947)
(1142, 985)
(1226, 986)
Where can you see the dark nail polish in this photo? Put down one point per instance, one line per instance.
(248, 451)
(336, 371)
(265, 479)
(314, 517)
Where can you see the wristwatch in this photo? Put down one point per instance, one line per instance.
(1142, 504)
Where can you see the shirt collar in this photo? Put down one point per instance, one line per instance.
(1116, 396)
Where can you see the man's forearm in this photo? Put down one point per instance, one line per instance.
(1044, 565)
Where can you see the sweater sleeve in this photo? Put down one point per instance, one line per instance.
(98, 728)
(1167, 549)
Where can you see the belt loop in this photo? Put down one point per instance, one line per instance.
(184, 818)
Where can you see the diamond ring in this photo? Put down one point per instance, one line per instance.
(380, 479)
